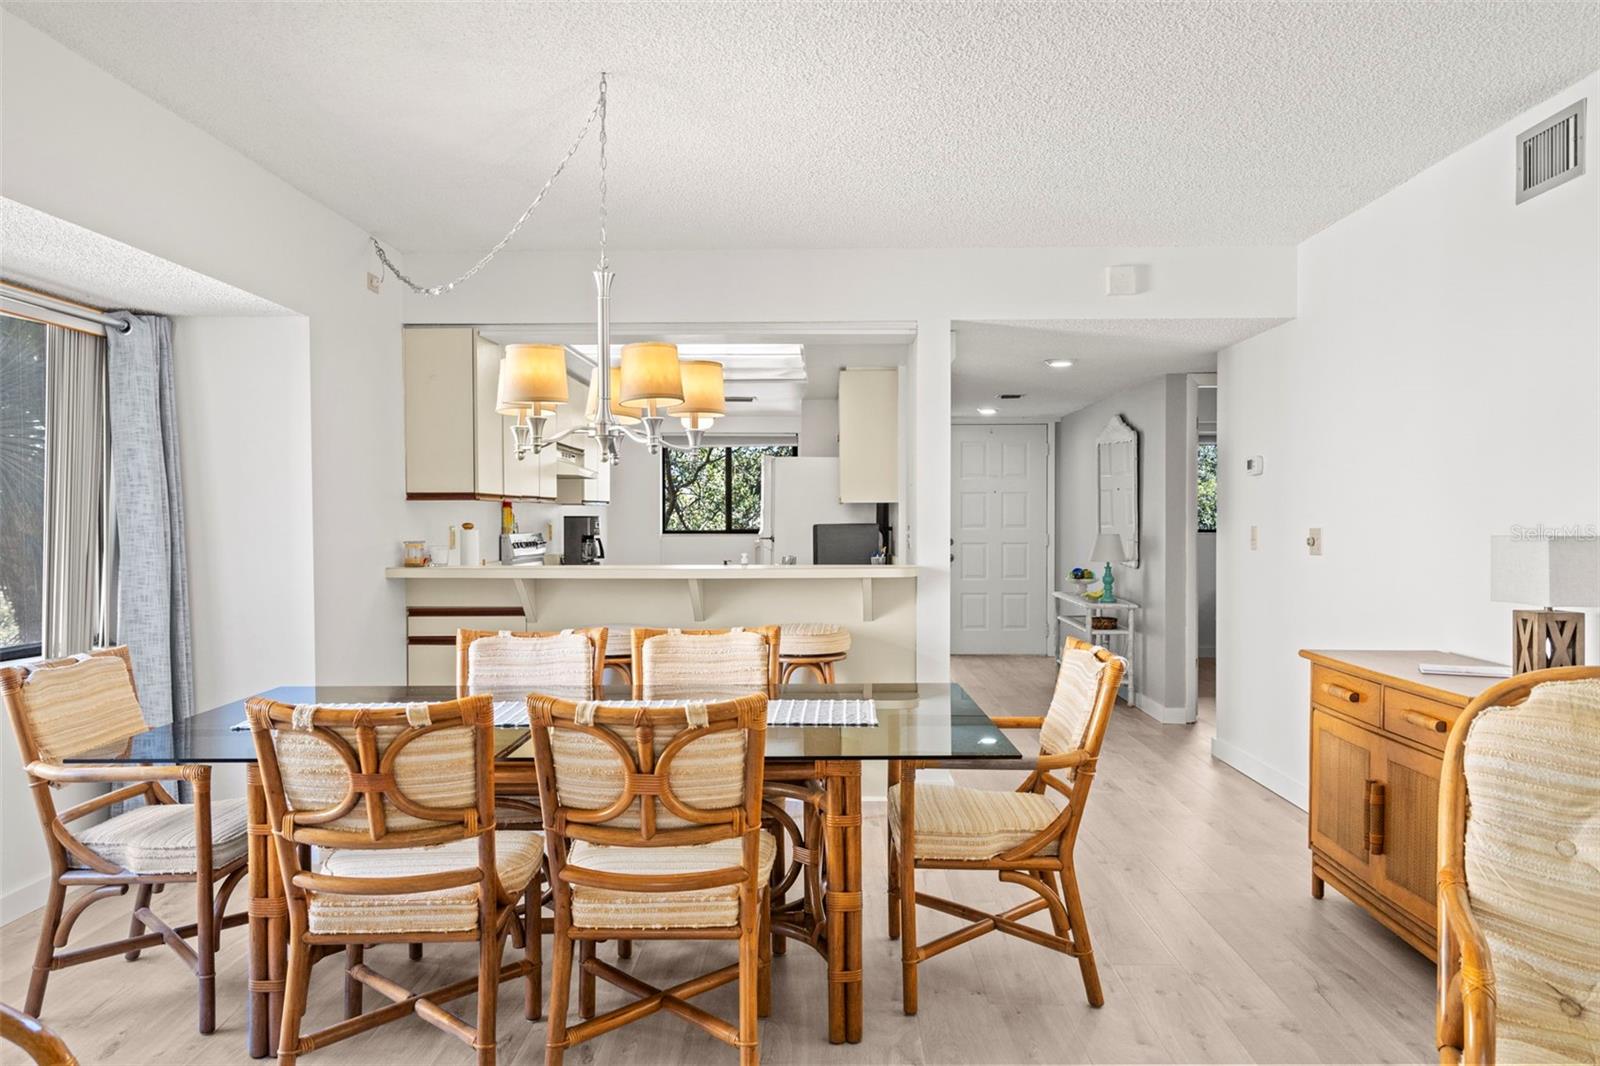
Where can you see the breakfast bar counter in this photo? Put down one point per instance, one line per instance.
(876, 603)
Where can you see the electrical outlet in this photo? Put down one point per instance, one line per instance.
(374, 282)
(1314, 541)
(1255, 537)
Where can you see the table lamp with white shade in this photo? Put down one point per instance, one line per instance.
(1108, 549)
(1548, 572)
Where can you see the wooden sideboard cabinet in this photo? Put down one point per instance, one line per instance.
(1378, 727)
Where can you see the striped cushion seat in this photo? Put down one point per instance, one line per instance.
(448, 910)
(606, 908)
(160, 839)
(813, 639)
(1533, 868)
(564, 662)
(619, 642)
(970, 823)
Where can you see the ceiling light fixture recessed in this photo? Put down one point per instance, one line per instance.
(1058, 364)
(987, 411)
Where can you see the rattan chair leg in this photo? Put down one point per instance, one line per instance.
(560, 998)
(749, 991)
(205, 937)
(533, 948)
(1080, 937)
(295, 984)
(489, 949)
(624, 949)
(894, 889)
(141, 898)
(354, 955)
(764, 959)
(45, 953)
(585, 980)
(908, 934)
(415, 952)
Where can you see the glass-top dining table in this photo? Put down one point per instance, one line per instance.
(815, 769)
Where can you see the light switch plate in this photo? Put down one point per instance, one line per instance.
(1314, 540)
(1253, 465)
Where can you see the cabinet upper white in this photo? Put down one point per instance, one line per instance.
(457, 445)
(869, 435)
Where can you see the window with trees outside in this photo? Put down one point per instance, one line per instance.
(22, 411)
(714, 490)
(1205, 495)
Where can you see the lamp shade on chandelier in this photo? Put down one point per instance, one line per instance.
(652, 378)
(703, 397)
(619, 413)
(533, 377)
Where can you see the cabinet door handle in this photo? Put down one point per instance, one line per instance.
(1423, 721)
(1375, 817)
(1339, 692)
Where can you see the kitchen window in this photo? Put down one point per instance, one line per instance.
(22, 411)
(1205, 494)
(714, 490)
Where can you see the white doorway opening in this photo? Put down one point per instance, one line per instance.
(1201, 497)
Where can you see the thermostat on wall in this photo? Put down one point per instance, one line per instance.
(1252, 466)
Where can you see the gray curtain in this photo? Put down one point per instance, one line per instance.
(78, 518)
(152, 575)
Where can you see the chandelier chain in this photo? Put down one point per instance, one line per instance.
(598, 113)
(602, 108)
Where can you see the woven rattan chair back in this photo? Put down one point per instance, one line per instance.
(567, 662)
(376, 776)
(690, 663)
(649, 775)
(66, 707)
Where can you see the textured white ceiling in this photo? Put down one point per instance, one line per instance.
(43, 252)
(1108, 355)
(888, 124)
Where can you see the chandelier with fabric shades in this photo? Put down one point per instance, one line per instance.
(631, 399)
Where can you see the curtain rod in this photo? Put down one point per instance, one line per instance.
(66, 308)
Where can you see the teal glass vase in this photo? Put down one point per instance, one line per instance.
(1108, 586)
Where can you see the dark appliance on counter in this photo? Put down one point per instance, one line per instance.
(580, 540)
(847, 543)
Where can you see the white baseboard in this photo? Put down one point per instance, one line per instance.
(1290, 788)
(21, 900)
(1162, 713)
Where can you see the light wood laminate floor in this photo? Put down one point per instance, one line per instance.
(1196, 885)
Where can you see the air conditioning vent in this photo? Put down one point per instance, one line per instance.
(1551, 152)
(739, 399)
(1011, 395)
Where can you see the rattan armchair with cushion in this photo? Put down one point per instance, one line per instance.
(1024, 836)
(68, 708)
(399, 803)
(653, 832)
(1519, 873)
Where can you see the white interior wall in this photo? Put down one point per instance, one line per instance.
(819, 426)
(1440, 384)
(1157, 410)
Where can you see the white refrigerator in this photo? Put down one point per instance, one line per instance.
(798, 492)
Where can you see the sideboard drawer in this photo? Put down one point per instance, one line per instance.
(1417, 717)
(1346, 694)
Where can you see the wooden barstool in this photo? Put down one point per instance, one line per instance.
(814, 646)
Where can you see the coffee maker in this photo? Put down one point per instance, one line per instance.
(580, 540)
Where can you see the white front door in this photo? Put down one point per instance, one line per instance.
(1000, 576)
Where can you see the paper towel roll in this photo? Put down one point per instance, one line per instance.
(471, 547)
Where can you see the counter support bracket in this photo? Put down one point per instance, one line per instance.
(866, 599)
(697, 599)
(524, 589)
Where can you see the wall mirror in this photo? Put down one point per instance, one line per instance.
(1118, 469)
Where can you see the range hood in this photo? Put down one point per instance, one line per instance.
(569, 463)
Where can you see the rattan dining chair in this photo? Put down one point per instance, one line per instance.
(1022, 836)
(653, 832)
(400, 800)
(74, 707)
(1519, 892)
(669, 663)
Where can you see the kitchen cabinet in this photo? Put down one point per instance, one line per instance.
(869, 435)
(439, 402)
(458, 447)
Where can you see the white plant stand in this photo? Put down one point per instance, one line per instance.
(1073, 613)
